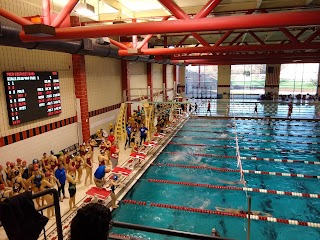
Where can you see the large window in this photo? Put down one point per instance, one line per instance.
(201, 81)
(299, 78)
(247, 80)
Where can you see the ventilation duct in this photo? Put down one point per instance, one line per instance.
(9, 36)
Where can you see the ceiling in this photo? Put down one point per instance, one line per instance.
(109, 12)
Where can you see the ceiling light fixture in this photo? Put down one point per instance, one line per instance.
(85, 9)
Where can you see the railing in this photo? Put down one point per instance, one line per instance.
(163, 231)
(56, 205)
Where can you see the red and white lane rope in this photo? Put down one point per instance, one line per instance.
(248, 158)
(236, 170)
(260, 190)
(251, 140)
(244, 148)
(251, 128)
(254, 133)
(228, 214)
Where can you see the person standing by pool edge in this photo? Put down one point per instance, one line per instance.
(255, 109)
(143, 133)
(60, 174)
(99, 174)
(209, 107)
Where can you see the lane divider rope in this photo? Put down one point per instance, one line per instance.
(250, 128)
(260, 190)
(244, 148)
(236, 170)
(228, 214)
(253, 133)
(249, 158)
(249, 140)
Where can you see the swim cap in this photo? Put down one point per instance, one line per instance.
(24, 161)
(48, 174)
(12, 164)
(35, 167)
(8, 163)
(16, 172)
(35, 161)
(2, 186)
(115, 177)
(19, 160)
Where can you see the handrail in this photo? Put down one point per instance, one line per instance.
(56, 205)
(170, 232)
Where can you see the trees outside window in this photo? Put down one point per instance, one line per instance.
(247, 81)
(202, 81)
(298, 78)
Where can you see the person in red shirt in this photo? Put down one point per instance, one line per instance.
(111, 137)
(114, 151)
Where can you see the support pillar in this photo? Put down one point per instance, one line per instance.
(164, 82)
(175, 67)
(224, 80)
(318, 86)
(125, 84)
(80, 83)
(149, 82)
(272, 78)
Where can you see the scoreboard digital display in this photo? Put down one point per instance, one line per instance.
(31, 95)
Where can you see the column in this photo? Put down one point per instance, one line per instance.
(164, 82)
(272, 78)
(181, 81)
(318, 87)
(224, 79)
(149, 82)
(80, 83)
(125, 84)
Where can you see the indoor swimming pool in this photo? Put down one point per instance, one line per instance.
(196, 175)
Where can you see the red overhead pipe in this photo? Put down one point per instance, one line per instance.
(270, 20)
(180, 14)
(207, 9)
(224, 37)
(149, 36)
(46, 12)
(14, 18)
(67, 9)
(118, 44)
(242, 48)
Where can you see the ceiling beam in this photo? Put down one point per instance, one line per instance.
(224, 49)
(122, 9)
(270, 20)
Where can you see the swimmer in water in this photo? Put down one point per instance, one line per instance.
(238, 211)
(231, 182)
(215, 233)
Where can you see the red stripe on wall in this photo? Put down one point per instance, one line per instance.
(9, 139)
(1, 142)
(24, 134)
(17, 137)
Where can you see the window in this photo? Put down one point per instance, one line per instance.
(298, 78)
(247, 80)
(201, 81)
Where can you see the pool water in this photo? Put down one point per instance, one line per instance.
(219, 140)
